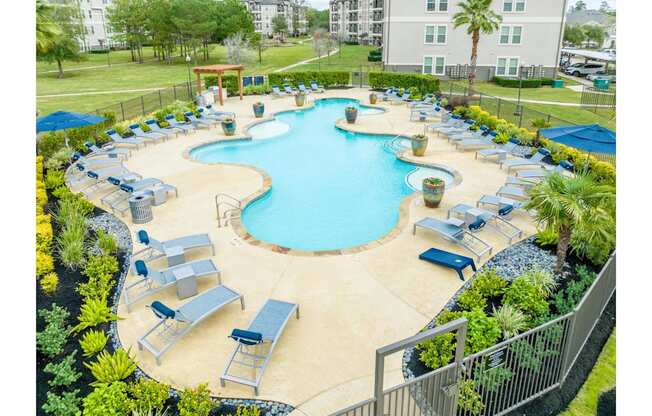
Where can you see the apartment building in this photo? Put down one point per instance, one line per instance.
(93, 16)
(359, 21)
(419, 36)
(264, 11)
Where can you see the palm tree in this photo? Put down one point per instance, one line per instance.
(566, 203)
(478, 17)
(47, 31)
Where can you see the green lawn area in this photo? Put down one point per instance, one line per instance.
(601, 379)
(545, 93)
(351, 58)
(577, 115)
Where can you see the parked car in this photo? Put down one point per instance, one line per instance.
(593, 77)
(584, 69)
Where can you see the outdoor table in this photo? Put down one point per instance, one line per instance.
(186, 282)
(175, 255)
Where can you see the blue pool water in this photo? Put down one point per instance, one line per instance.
(330, 189)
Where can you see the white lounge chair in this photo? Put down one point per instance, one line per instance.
(535, 160)
(155, 249)
(471, 215)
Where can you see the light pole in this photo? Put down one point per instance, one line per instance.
(520, 86)
(188, 59)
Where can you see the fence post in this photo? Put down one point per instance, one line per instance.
(480, 100)
(450, 92)
(520, 116)
(174, 88)
(142, 104)
(122, 110)
(565, 361)
(498, 108)
(160, 99)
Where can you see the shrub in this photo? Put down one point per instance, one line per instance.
(55, 315)
(426, 84)
(530, 354)
(566, 300)
(471, 299)
(526, 297)
(469, 399)
(49, 283)
(325, 78)
(491, 379)
(437, 352)
(149, 396)
(107, 400)
(71, 245)
(543, 280)
(547, 237)
(489, 284)
(109, 368)
(64, 372)
(517, 83)
(92, 313)
(100, 271)
(43, 233)
(195, 402)
(51, 340)
(482, 331)
(65, 405)
(595, 241)
(106, 243)
(93, 342)
(247, 411)
(71, 205)
(50, 143)
(54, 179)
(58, 159)
(511, 320)
(44, 263)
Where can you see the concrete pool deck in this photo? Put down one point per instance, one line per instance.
(351, 304)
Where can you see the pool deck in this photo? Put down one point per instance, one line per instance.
(351, 304)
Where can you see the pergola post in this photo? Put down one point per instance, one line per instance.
(219, 85)
(240, 82)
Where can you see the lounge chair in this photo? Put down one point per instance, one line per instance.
(316, 88)
(422, 113)
(246, 81)
(454, 121)
(79, 171)
(457, 130)
(127, 141)
(303, 89)
(525, 183)
(387, 94)
(276, 92)
(448, 259)
(451, 230)
(504, 206)
(197, 122)
(113, 199)
(154, 281)
(95, 179)
(175, 324)
(395, 100)
(218, 115)
(466, 135)
(562, 167)
(535, 160)
(259, 80)
(94, 162)
(168, 132)
(155, 249)
(472, 214)
(500, 152)
(183, 126)
(510, 191)
(154, 188)
(426, 101)
(255, 345)
(107, 151)
(289, 90)
(139, 132)
(482, 141)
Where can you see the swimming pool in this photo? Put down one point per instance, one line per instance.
(331, 189)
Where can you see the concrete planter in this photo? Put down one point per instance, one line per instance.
(419, 144)
(300, 99)
(259, 110)
(373, 98)
(351, 114)
(433, 191)
(228, 127)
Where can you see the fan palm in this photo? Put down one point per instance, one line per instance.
(478, 18)
(47, 30)
(579, 202)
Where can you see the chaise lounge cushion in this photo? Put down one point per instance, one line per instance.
(161, 310)
(141, 268)
(246, 337)
(143, 237)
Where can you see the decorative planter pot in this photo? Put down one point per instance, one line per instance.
(259, 110)
(433, 191)
(300, 99)
(228, 126)
(373, 98)
(419, 144)
(351, 114)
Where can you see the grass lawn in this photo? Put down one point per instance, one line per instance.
(351, 58)
(601, 379)
(545, 93)
(577, 115)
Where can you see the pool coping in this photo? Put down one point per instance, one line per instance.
(236, 216)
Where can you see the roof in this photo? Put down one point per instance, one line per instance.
(215, 69)
(583, 17)
(594, 55)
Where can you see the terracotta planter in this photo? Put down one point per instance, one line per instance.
(228, 127)
(373, 98)
(259, 110)
(419, 145)
(351, 114)
(300, 99)
(433, 192)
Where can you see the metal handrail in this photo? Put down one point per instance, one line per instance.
(232, 202)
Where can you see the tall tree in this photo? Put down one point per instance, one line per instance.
(128, 19)
(47, 30)
(279, 25)
(478, 18)
(298, 15)
(604, 7)
(580, 5)
(65, 46)
(194, 21)
(232, 17)
(161, 28)
(574, 35)
(257, 42)
(317, 19)
(594, 33)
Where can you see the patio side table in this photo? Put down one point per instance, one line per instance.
(175, 255)
(186, 282)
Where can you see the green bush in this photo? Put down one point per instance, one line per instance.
(482, 331)
(511, 320)
(526, 297)
(100, 271)
(65, 405)
(471, 299)
(92, 313)
(547, 237)
(109, 368)
(93, 342)
(106, 243)
(64, 371)
(56, 315)
(71, 244)
(51, 340)
(489, 284)
(54, 179)
(247, 411)
(547, 81)
(324, 78)
(195, 402)
(516, 83)
(543, 280)
(148, 396)
(491, 379)
(50, 143)
(107, 400)
(469, 399)
(531, 353)
(437, 352)
(426, 84)
(566, 300)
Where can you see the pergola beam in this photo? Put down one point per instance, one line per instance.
(219, 71)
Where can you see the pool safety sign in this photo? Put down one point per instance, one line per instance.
(497, 358)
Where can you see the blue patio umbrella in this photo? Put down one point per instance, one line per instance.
(62, 120)
(590, 137)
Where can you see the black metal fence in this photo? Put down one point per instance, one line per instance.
(599, 101)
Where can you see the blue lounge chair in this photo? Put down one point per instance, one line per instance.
(197, 122)
(218, 115)
(504, 206)
(107, 150)
(121, 194)
(155, 249)
(303, 89)
(400, 100)
(259, 80)
(174, 324)
(276, 92)
(168, 132)
(289, 90)
(472, 215)
(500, 152)
(138, 132)
(511, 191)
(562, 167)
(255, 345)
(247, 81)
(183, 126)
(127, 141)
(477, 142)
(315, 87)
(535, 160)
(451, 230)
(448, 259)
(94, 161)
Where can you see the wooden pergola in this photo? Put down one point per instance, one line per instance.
(219, 70)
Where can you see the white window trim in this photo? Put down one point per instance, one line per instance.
(435, 34)
(507, 59)
(510, 38)
(514, 7)
(434, 65)
(425, 6)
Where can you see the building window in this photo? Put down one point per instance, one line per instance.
(510, 35)
(434, 65)
(436, 5)
(514, 6)
(427, 64)
(435, 34)
(507, 66)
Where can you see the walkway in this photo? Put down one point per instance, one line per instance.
(73, 94)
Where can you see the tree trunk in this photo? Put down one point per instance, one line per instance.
(60, 67)
(562, 247)
(474, 57)
(260, 54)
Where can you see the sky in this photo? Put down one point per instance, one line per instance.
(593, 4)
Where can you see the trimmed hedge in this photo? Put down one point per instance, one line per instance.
(424, 83)
(375, 56)
(324, 78)
(515, 82)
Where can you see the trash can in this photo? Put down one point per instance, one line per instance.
(601, 83)
(140, 206)
(557, 83)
